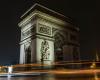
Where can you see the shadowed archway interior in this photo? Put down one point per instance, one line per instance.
(58, 46)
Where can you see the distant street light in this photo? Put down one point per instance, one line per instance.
(10, 69)
(97, 56)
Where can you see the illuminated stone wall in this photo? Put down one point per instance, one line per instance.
(46, 38)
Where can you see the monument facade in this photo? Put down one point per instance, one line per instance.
(47, 37)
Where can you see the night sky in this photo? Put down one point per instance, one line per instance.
(84, 13)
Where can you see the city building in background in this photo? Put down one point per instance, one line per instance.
(47, 37)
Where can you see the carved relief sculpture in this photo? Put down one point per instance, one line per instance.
(44, 50)
(43, 29)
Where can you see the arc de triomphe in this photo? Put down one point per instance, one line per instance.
(47, 36)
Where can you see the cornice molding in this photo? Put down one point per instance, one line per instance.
(39, 14)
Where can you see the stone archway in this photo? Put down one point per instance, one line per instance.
(76, 55)
(58, 46)
(28, 55)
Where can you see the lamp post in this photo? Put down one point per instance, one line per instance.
(93, 66)
(97, 59)
(10, 69)
(97, 56)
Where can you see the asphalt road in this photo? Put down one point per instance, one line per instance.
(51, 77)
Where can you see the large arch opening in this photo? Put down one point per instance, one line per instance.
(76, 55)
(58, 46)
(28, 55)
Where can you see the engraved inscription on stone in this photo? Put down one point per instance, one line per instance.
(27, 33)
(44, 29)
